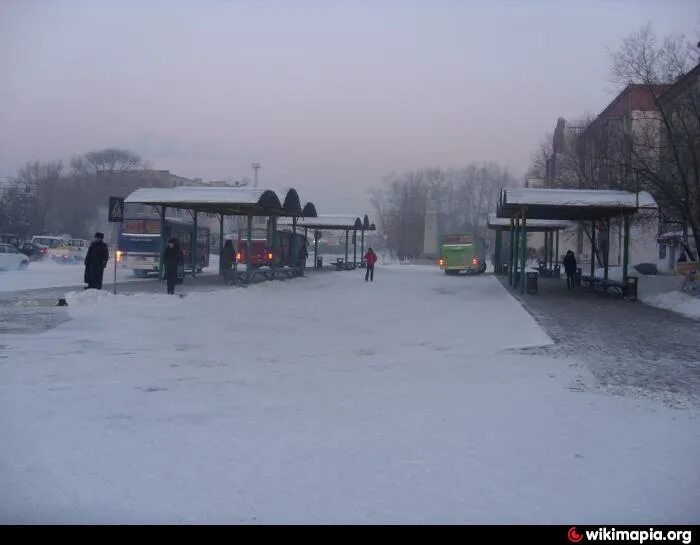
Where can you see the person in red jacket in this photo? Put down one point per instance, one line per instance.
(370, 260)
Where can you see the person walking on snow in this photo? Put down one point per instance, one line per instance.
(570, 269)
(370, 260)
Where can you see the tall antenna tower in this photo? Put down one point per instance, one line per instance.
(256, 167)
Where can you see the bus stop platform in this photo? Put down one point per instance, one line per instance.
(628, 347)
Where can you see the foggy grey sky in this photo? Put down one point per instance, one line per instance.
(329, 96)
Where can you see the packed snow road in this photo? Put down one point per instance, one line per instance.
(328, 399)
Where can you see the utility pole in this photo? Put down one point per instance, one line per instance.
(256, 167)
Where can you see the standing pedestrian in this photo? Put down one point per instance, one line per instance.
(95, 262)
(370, 259)
(228, 262)
(172, 260)
(570, 270)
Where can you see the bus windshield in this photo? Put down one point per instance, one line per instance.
(458, 239)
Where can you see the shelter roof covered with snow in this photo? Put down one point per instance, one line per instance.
(226, 200)
(339, 222)
(571, 204)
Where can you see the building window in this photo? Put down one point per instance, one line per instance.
(662, 251)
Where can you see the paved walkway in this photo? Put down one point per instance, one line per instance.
(625, 344)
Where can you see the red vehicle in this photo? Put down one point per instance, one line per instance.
(261, 255)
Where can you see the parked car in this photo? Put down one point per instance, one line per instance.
(34, 252)
(49, 241)
(11, 259)
(73, 251)
(10, 238)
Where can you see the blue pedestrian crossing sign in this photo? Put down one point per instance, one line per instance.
(116, 209)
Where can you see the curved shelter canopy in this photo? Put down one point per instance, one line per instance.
(221, 200)
(571, 204)
(309, 210)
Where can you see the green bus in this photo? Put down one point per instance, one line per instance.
(459, 253)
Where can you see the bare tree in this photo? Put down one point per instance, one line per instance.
(107, 161)
(41, 180)
(663, 153)
(464, 198)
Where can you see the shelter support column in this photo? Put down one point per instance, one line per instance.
(362, 245)
(545, 259)
(294, 251)
(316, 248)
(593, 248)
(497, 252)
(523, 257)
(513, 249)
(249, 249)
(161, 269)
(556, 251)
(626, 252)
(606, 255)
(354, 248)
(193, 246)
(347, 234)
(221, 244)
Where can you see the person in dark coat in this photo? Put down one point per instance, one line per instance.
(370, 259)
(172, 259)
(95, 262)
(570, 269)
(228, 262)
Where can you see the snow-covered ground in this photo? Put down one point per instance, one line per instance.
(47, 274)
(327, 399)
(676, 301)
(660, 291)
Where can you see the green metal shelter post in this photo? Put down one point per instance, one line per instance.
(546, 250)
(513, 249)
(556, 252)
(293, 247)
(593, 248)
(193, 246)
(606, 255)
(497, 253)
(249, 249)
(272, 236)
(221, 244)
(523, 257)
(347, 234)
(626, 253)
(315, 248)
(354, 248)
(362, 245)
(161, 269)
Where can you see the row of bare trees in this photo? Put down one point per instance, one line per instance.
(462, 197)
(47, 197)
(657, 150)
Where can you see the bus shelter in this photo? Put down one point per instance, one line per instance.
(521, 206)
(225, 201)
(550, 228)
(346, 223)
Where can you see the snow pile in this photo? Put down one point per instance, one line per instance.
(676, 301)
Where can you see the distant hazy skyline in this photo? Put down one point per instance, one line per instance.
(329, 96)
